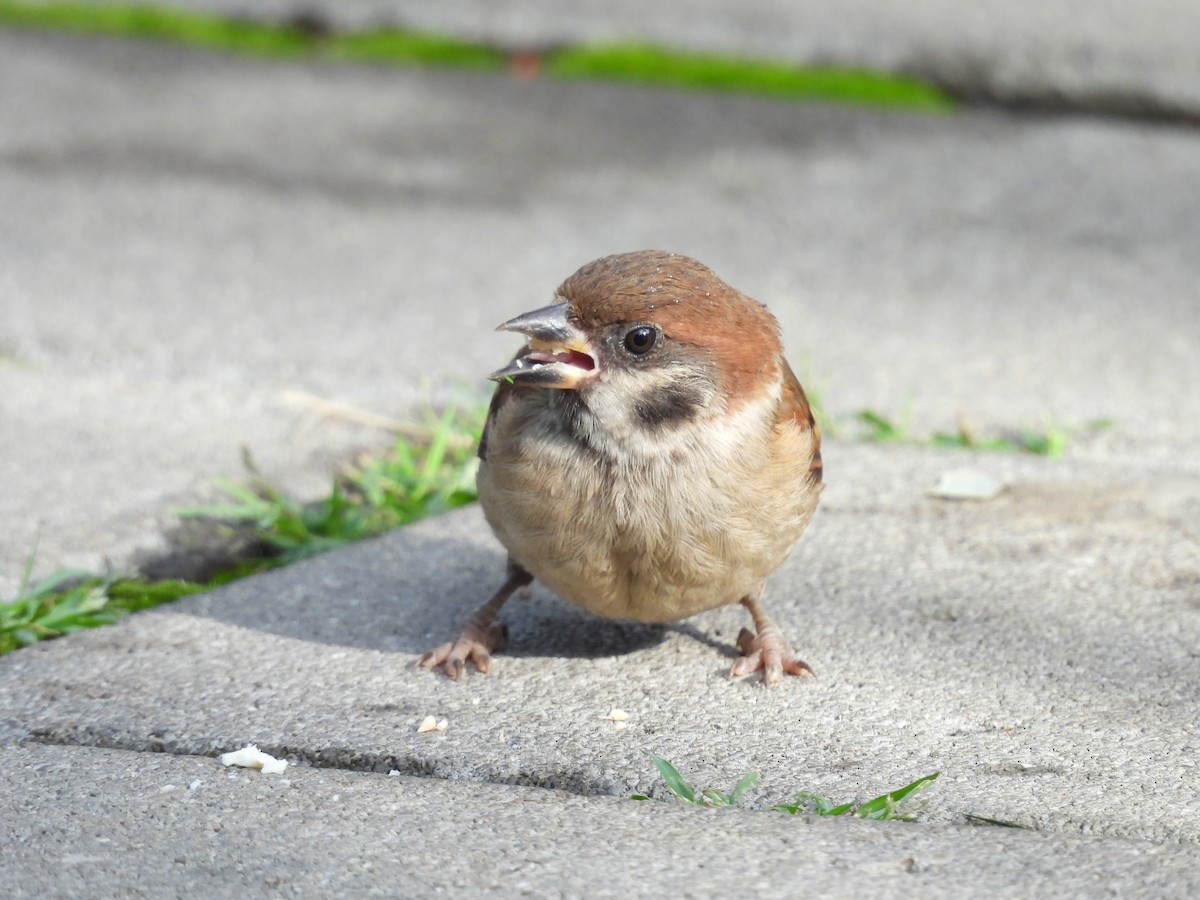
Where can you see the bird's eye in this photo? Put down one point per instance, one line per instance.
(640, 340)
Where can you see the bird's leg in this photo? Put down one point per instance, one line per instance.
(767, 650)
(478, 638)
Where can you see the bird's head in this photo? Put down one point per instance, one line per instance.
(649, 339)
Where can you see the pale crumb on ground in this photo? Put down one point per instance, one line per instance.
(429, 723)
(619, 725)
(250, 757)
(966, 484)
(618, 715)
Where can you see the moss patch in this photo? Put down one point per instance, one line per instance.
(647, 64)
(308, 37)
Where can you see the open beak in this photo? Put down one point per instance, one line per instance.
(557, 354)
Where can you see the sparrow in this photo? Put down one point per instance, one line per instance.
(647, 455)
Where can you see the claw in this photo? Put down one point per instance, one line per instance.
(474, 644)
(765, 651)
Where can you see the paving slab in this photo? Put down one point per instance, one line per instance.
(1121, 57)
(1039, 650)
(187, 237)
(147, 824)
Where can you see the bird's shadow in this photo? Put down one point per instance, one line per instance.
(408, 593)
(687, 629)
(553, 628)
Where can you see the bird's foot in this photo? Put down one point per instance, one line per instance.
(473, 643)
(769, 652)
(479, 637)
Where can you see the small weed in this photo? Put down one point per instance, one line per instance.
(428, 470)
(1050, 441)
(71, 600)
(647, 64)
(681, 790)
(415, 479)
(881, 429)
(885, 806)
(65, 601)
(135, 594)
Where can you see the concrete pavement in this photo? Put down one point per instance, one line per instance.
(189, 828)
(186, 237)
(1030, 649)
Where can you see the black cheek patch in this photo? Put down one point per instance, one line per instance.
(672, 404)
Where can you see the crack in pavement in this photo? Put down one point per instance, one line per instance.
(343, 758)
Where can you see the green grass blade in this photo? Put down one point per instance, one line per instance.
(909, 789)
(745, 783)
(436, 452)
(649, 64)
(881, 428)
(884, 806)
(717, 798)
(984, 820)
(801, 803)
(248, 505)
(675, 782)
(56, 580)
